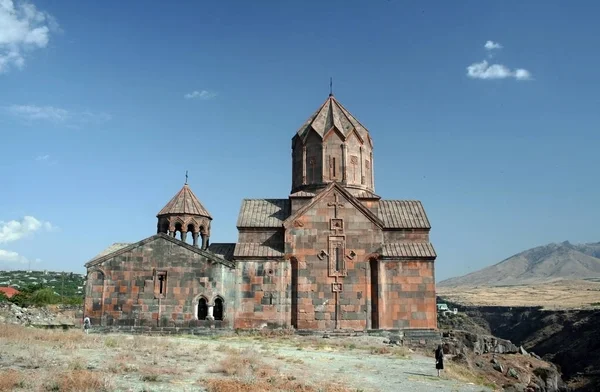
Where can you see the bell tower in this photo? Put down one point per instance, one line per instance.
(332, 146)
(185, 214)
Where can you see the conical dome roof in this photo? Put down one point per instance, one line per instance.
(330, 114)
(184, 203)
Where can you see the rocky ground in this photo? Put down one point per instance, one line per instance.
(567, 338)
(49, 316)
(502, 363)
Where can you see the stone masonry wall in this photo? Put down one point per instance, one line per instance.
(318, 298)
(123, 290)
(406, 235)
(263, 294)
(407, 295)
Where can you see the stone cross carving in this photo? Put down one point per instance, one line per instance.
(335, 205)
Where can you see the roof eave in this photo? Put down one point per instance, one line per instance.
(128, 248)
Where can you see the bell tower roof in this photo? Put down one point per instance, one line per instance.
(333, 114)
(184, 203)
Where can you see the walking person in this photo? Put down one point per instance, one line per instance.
(87, 324)
(439, 359)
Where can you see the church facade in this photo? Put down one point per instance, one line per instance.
(333, 255)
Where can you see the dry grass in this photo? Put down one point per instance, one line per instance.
(266, 333)
(244, 371)
(564, 294)
(400, 352)
(463, 373)
(242, 363)
(17, 333)
(74, 361)
(237, 385)
(80, 381)
(11, 379)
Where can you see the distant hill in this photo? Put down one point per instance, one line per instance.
(63, 283)
(538, 265)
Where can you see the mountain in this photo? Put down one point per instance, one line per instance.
(538, 265)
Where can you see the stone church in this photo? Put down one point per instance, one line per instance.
(333, 255)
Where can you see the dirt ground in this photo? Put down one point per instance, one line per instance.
(564, 294)
(42, 360)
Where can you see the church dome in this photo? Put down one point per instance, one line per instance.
(332, 146)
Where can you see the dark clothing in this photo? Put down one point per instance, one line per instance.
(439, 358)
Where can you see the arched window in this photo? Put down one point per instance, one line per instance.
(202, 309)
(178, 228)
(218, 309)
(190, 231)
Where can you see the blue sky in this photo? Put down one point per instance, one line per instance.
(97, 133)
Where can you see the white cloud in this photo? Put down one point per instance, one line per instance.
(522, 74)
(22, 29)
(15, 230)
(8, 256)
(484, 70)
(491, 45)
(200, 95)
(56, 115)
(32, 112)
(42, 157)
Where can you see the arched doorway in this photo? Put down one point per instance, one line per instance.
(218, 309)
(202, 309)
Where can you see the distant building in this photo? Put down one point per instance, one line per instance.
(9, 291)
(332, 255)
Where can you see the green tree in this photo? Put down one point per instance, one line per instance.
(44, 297)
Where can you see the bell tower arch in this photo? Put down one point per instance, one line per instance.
(185, 214)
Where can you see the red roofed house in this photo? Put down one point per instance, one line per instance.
(8, 291)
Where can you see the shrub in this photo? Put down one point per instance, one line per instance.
(79, 381)
(74, 300)
(10, 379)
(44, 297)
(111, 342)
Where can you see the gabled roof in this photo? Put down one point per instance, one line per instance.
(223, 250)
(263, 213)
(351, 199)
(9, 291)
(364, 194)
(332, 114)
(111, 249)
(184, 203)
(250, 249)
(408, 250)
(403, 214)
(303, 194)
(209, 255)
